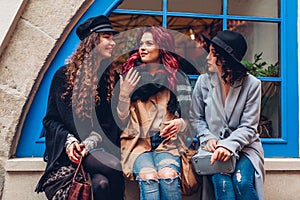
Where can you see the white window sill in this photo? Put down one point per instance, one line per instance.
(38, 165)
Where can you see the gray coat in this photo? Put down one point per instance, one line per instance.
(241, 112)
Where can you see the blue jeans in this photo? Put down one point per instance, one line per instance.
(239, 185)
(161, 188)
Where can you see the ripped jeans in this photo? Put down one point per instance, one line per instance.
(161, 188)
(239, 185)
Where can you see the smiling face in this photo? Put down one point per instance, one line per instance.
(148, 49)
(106, 45)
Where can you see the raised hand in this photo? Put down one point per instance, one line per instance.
(128, 84)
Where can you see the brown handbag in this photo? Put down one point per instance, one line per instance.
(188, 181)
(80, 190)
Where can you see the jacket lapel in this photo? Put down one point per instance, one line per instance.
(232, 97)
(216, 95)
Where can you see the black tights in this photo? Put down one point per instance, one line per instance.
(107, 175)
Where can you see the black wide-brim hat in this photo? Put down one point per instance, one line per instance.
(99, 24)
(231, 44)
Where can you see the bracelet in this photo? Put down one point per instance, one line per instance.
(124, 99)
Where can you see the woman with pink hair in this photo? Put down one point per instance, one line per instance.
(154, 101)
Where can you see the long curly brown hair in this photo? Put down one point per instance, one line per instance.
(82, 78)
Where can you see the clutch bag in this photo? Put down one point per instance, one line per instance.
(202, 166)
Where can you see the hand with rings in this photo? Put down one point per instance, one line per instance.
(75, 151)
(171, 128)
(128, 84)
(221, 153)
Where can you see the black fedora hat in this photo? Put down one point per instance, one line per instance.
(232, 44)
(95, 24)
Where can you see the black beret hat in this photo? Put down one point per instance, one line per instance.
(95, 24)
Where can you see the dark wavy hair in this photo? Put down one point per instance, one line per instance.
(229, 67)
(166, 45)
(82, 79)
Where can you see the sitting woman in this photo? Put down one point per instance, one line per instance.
(225, 114)
(154, 99)
(79, 120)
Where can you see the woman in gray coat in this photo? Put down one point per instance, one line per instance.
(224, 114)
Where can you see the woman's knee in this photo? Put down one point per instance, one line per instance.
(114, 164)
(148, 174)
(167, 172)
(242, 181)
(100, 182)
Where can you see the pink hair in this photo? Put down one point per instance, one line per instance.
(166, 44)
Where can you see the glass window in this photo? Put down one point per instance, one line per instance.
(124, 22)
(194, 51)
(261, 37)
(261, 8)
(155, 5)
(198, 6)
(270, 121)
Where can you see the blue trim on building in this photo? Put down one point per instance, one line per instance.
(288, 145)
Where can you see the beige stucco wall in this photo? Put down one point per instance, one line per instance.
(30, 33)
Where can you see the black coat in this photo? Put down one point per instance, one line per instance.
(59, 121)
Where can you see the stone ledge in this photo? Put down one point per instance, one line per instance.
(282, 164)
(25, 164)
(37, 164)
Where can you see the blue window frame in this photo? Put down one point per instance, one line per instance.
(285, 144)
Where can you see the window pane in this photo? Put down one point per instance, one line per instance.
(262, 8)
(270, 110)
(193, 51)
(123, 22)
(196, 6)
(155, 5)
(196, 25)
(262, 37)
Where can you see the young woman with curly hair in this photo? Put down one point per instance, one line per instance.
(154, 100)
(79, 119)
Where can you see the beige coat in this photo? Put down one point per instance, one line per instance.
(135, 138)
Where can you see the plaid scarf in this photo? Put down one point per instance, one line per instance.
(180, 99)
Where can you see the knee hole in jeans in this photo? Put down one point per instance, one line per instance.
(148, 173)
(167, 173)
